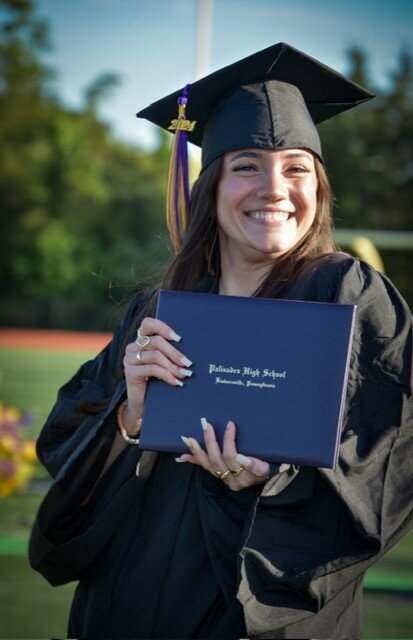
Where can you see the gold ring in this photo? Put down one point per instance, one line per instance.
(143, 341)
(140, 333)
(222, 474)
(138, 357)
(237, 471)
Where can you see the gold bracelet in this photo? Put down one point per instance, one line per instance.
(129, 439)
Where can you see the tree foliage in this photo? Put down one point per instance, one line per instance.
(82, 214)
(369, 152)
(80, 211)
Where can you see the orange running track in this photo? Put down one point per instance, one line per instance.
(53, 340)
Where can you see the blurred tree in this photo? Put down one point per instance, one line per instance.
(369, 153)
(99, 89)
(79, 209)
(25, 103)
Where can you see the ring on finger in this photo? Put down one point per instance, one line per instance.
(138, 357)
(237, 471)
(222, 474)
(141, 333)
(143, 341)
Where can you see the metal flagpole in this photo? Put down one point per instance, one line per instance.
(203, 38)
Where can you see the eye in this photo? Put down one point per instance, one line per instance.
(245, 167)
(298, 168)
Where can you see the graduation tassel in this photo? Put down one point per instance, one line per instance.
(177, 195)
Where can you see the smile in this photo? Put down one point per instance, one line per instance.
(273, 216)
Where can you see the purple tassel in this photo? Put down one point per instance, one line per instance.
(177, 201)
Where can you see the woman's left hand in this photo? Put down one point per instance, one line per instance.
(246, 471)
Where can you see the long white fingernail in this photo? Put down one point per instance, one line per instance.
(186, 440)
(204, 423)
(186, 372)
(174, 336)
(243, 460)
(186, 362)
(179, 460)
(179, 382)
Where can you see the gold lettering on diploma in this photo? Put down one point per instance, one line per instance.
(254, 376)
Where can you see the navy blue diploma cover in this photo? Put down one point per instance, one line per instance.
(277, 368)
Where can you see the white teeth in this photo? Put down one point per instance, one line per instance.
(279, 216)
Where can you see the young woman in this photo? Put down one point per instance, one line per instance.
(215, 544)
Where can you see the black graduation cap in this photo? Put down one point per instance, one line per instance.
(271, 99)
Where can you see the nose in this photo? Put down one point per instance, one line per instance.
(273, 186)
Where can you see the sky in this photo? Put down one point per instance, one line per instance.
(151, 44)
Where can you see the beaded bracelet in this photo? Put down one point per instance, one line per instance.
(129, 439)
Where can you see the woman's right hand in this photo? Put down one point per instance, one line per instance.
(158, 359)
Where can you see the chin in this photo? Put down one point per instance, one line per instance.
(273, 246)
(275, 249)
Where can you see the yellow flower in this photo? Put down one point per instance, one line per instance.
(8, 444)
(11, 414)
(29, 450)
(17, 456)
(23, 473)
(6, 487)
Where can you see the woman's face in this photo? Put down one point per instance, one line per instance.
(266, 201)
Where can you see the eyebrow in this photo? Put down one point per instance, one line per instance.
(246, 154)
(257, 154)
(299, 154)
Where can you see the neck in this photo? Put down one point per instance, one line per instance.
(239, 277)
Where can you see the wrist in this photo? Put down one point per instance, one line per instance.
(132, 420)
(129, 423)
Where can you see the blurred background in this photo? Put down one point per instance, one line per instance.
(82, 186)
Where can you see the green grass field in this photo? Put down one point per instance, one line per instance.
(30, 379)
(30, 608)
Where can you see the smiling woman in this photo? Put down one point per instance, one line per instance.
(229, 201)
(226, 545)
(266, 203)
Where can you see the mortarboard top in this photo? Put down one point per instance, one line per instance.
(255, 103)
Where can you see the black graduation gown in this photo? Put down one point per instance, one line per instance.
(162, 582)
(303, 544)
